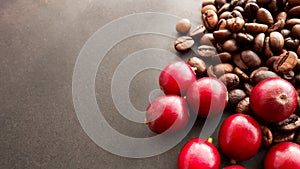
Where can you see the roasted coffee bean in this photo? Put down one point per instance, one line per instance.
(210, 72)
(297, 67)
(296, 31)
(235, 3)
(184, 43)
(222, 35)
(223, 57)
(243, 107)
(235, 24)
(285, 33)
(293, 3)
(224, 8)
(263, 2)
(235, 96)
(267, 51)
(277, 26)
(208, 2)
(251, 10)
(222, 68)
(248, 88)
(291, 44)
(207, 39)
(289, 75)
(261, 74)
(291, 22)
(222, 24)
(231, 80)
(281, 137)
(244, 38)
(259, 42)
(220, 2)
(281, 15)
(183, 26)
(236, 13)
(241, 74)
(208, 7)
(239, 8)
(210, 19)
(267, 136)
(231, 45)
(270, 61)
(250, 59)
(206, 50)
(282, 4)
(238, 61)
(225, 15)
(198, 32)
(285, 62)
(264, 16)
(272, 6)
(276, 41)
(255, 28)
(198, 65)
(294, 12)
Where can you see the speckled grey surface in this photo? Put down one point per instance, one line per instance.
(39, 43)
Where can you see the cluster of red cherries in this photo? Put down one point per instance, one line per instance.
(240, 136)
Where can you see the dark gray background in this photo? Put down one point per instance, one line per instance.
(39, 43)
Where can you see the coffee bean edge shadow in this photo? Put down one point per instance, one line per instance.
(245, 42)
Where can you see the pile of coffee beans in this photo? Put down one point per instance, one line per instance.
(243, 42)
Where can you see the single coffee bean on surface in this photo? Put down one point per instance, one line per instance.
(276, 41)
(210, 19)
(235, 96)
(255, 28)
(267, 136)
(285, 62)
(230, 80)
(184, 43)
(183, 26)
(296, 31)
(243, 107)
(264, 16)
(198, 65)
(198, 32)
(206, 51)
(250, 59)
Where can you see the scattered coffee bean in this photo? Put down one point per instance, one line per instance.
(183, 26)
(251, 10)
(198, 65)
(285, 62)
(198, 32)
(206, 51)
(230, 80)
(267, 136)
(243, 106)
(184, 43)
(235, 96)
(244, 38)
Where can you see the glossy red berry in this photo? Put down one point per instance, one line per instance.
(207, 95)
(176, 78)
(167, 112)
(240, 137)
(285, 155)
(234, 167)
(199, 153)
(273, 99)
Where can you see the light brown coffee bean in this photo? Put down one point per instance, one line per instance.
(198, 32)
(235, 24)
(222, 24)
(276, 41)
(291, 22)
(235, 96)
(296, 31)
(285, 62)
(208, 2)
(230, 80)
(184, 43)
(255, 28)
(206, 51)
(294, 12)
(267, 136)
(250, 59)
(259, 42)
(264, 16)
(285, 33)
(183, 26)
(241, 74)
(277, 26)
(210, 19)
(231, 45)
(222, 68)
(198, 65)
(225, 15)
(208, 7)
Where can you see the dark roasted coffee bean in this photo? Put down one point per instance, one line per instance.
(251, 10)
(276, 41)
(220, 2)
(272, 6)
(206, 51)
(208, 2)
(267, 136)
(296, 31)
(198, 32)
(293, 3)
(264, 16)
(222, 24)
(222, 68)
(235, 3)
(239, 8)
(281, 137)
(262, 2)
(184, 43)
(210, 72)
(250, 59)
(231, 80)
(248, 88)
(291, 44)
(208, 7)
(285, 62)
(235, 96)
(270, 61)
(261, 74)
(259, 42)
(207, 39)
(267, 51)
(243, 107)
(235, 24)
(210, 19)
(225, 15)
(198, 65)
(241, 74)
(294, 12)
(282, 4)
(222, 35)
(297, 67)
(277, 26)
(236, 13)
(291, 22)
(255, 28)
(238, 61)
(223, 57)
(244, 38)
(225, 7)
(298, 138)
(289, 75)
(285, 32)
(230, 45)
